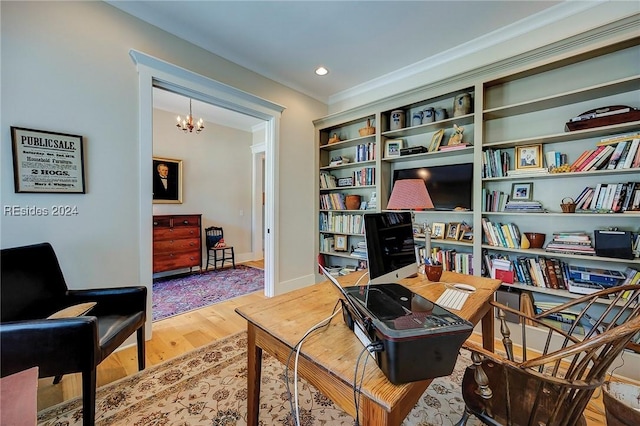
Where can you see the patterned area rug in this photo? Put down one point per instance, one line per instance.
(208, 386)
(179, 295)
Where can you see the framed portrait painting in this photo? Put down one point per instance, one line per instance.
(167, 181)
(529, 157)
(438, 230)
(453, 231)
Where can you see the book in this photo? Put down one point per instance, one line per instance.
(591, 159)
(636, 160)
(580, 159)
(618, 138)
(633, 150)
(596, 196)
(602, 159)
(596, 275)
(615, 157)
(624, 154)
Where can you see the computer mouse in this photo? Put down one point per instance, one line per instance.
(464, 287)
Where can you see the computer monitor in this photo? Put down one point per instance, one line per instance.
(390, 246)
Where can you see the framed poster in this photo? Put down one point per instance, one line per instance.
(167, 181)
(46, 161)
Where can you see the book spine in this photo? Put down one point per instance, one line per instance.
(615, 157)
(633, 149)
(623, 155)
(586, 164)
(580, 159)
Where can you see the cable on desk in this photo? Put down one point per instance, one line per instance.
(357, 389)
(295, 412)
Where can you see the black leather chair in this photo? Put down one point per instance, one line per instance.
(32, 288)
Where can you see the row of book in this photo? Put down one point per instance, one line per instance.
(501, 234)
(493, 201)
(495, 163)
(450, 259)
(332, 201)
(341, 223)
(610, 197)
(365, 152)
(617, 152)
(362, 177)
(571, 243)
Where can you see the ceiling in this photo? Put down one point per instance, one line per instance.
(358, 41)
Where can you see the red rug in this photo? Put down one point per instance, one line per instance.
(179, 295)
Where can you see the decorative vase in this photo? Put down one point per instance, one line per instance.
(462, 104)
(441, 114)
(428, 115)
(524, 242)
(417, 118)
(433, 272)
(352, 202)
(397, 120)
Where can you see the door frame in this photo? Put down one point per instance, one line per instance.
(156, 72)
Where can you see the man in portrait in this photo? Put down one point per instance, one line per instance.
(165, 181)
(528, 157)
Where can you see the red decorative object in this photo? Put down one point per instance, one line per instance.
(410, 194)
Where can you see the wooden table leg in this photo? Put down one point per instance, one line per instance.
(254, 372)
(488, 321)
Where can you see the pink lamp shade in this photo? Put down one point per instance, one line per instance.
(409, 194)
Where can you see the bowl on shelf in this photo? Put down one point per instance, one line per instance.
(536, 239)
(352, 202)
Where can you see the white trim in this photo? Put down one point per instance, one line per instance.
(155, 72)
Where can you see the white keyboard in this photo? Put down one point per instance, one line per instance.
(452, 299)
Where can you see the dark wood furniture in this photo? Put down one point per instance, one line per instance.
(555, 386)
(177, 242)
(33, 287)
(327, 358)
(214, 238)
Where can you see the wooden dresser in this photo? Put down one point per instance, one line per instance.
(177, 242)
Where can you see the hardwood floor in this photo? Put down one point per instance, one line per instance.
(182, 333)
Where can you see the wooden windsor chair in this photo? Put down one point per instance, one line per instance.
(554, 386)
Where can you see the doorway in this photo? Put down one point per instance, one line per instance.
(154, 72)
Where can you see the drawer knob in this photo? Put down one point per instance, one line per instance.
(186, 222)
(155, 223)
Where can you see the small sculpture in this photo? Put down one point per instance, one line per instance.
(334, 139)
(456, 137)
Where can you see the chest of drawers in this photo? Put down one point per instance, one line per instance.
(177, 242)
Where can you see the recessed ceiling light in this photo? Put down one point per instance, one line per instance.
(322, 71)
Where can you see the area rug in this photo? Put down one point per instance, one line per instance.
(208, 386)
(179, 295)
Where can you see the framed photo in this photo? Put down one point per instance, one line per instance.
(529, 157)
(46, 161)
(393, 147)
(436, 139)
(453, 231)
(341, 243)
(437, 231)
(417, 230)
(466, 232)
(522, 191)
(167, 181)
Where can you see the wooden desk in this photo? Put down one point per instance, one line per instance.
(328, 356)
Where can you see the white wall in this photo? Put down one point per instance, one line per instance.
(216, 180)
(66, 68)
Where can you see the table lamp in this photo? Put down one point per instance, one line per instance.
(409, 194)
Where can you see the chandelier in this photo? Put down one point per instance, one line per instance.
(187, 125)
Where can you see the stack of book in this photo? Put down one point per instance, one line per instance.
(572, 243)
(584, 280)
(524, 206)
(528, 172)
(360, 252)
